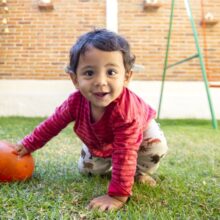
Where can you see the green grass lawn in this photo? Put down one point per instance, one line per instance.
(188, 178)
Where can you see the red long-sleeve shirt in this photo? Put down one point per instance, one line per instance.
(118, 134)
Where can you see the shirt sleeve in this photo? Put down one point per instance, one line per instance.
(124, 158)
(49, 128)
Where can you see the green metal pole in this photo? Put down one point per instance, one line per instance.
(183, 61)
(203, 68)
(166, 58)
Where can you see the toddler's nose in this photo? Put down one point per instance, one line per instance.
(101, 80)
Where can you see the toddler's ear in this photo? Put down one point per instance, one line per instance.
(128, 77)
(74, 79)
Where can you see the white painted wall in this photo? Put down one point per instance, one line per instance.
(40, 97)
(112, 15)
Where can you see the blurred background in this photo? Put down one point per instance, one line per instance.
(36, 36)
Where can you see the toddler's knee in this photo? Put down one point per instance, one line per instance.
(160, 147)
(149, 157)
(87, 167)
(84, 167)
(153, 146)
(88, 164)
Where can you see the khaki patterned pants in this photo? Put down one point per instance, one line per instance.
(152, 149)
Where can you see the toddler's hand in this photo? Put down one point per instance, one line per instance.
(20, 150)
(107, 203)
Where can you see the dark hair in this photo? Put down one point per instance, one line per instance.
(101, 39)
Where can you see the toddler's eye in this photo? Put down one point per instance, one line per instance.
(89, 73)
(111, 72)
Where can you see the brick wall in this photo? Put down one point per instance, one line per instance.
(37, 46)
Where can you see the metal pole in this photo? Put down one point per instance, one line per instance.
(166, 58)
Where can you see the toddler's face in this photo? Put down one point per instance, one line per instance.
(100, 77)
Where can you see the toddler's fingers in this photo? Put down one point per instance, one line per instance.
(15, 149)
(20, 150)
(23, 152)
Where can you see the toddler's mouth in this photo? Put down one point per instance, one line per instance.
(101, 94)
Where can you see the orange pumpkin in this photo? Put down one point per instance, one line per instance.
(13, 167)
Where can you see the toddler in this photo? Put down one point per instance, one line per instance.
(117, 127)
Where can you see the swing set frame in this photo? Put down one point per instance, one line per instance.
(199, 55)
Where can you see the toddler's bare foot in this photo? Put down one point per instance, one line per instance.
(145, 179)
